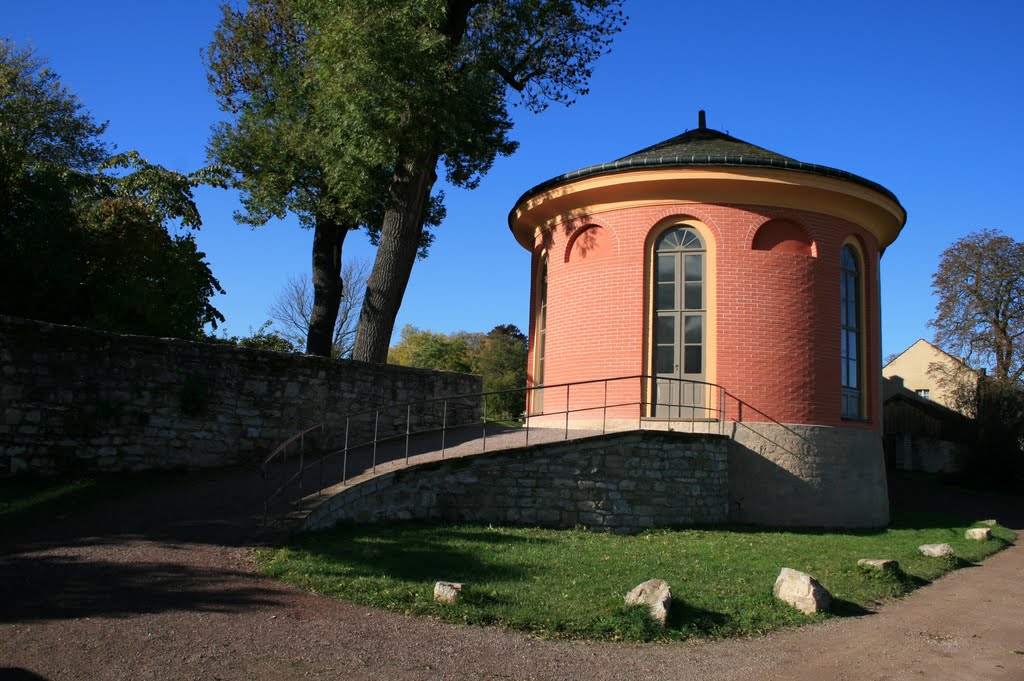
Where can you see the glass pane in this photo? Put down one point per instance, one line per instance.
(852, 378)
(664, 360)
(665, 331)
(691, 363)
(693, 327)
(694, 267)
(691, 241)
(669, 240)
(849, 262)
(693, 297)
(843, 350)
(851, 344)
(666, 268)
(665, 299)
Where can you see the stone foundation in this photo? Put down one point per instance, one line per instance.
(814, 476)
(624, 482)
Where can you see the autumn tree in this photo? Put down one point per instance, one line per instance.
(83, 232)
(980, 313)
(499, 356)
(980, 316)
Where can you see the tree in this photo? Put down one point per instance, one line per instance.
(344, 110)
(980, 313)
(980, 316)
(437, 88)
(284, 150)
(499, 356)
(82, 232)
(292, 309)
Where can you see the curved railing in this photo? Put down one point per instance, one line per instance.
(467, 423)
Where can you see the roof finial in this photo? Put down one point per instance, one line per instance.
(702, 122)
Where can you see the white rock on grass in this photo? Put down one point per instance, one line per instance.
(936, 550)
(979, 533)
(990, 522)
(655, 593)
(801, 591)
(448, 592)
(880, 564)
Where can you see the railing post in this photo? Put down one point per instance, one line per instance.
(408, 418)
(566, 412)
(376, 422)
(444, 426)
(302, 459)
(531, 398)
(344, 459)
(485, 422)
(604, 410)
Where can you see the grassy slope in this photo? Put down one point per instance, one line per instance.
(571, 583)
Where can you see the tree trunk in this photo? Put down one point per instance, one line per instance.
(396, 253)
(328, 238)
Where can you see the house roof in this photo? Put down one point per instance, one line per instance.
(704, 147)
(958, 360)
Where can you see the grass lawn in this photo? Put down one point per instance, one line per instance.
(571, 583)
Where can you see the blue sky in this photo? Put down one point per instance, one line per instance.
(925, 98)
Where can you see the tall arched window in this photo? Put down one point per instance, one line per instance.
(851, 347)
(537, 396)
(679, 324)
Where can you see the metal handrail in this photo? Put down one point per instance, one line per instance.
(477, 403)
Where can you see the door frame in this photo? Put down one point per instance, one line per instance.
(710, 303)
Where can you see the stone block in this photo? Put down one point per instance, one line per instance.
(936, 550)
(978, 533)
(801, 591)
(880, 564)
(656, 594)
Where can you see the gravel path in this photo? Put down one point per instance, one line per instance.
(163, 588)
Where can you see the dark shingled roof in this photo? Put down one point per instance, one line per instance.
(703, 147)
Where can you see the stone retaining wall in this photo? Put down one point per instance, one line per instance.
(811, 476)
(622, 482)
(73, 398)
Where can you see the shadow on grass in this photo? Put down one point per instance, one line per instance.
(684, 617)
(844, 608)
(417, 552)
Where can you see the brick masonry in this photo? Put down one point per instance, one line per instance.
(777, 313)
(73, 399)
(623, 482)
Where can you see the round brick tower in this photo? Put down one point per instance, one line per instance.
(743, 286)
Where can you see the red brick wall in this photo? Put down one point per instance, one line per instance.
(777, 313)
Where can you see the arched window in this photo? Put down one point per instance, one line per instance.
(537, 396)
(851, 346)
(680, 321)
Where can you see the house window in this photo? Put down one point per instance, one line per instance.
(925, 393)
(537, 396)
(851, 346)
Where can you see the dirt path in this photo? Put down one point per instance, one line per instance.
(158, 590)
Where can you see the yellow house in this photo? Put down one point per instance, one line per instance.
(925, 369)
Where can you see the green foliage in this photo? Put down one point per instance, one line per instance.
(342, 110)
(263, 338)
(571, 583)
(82, 233)
(499, 356)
